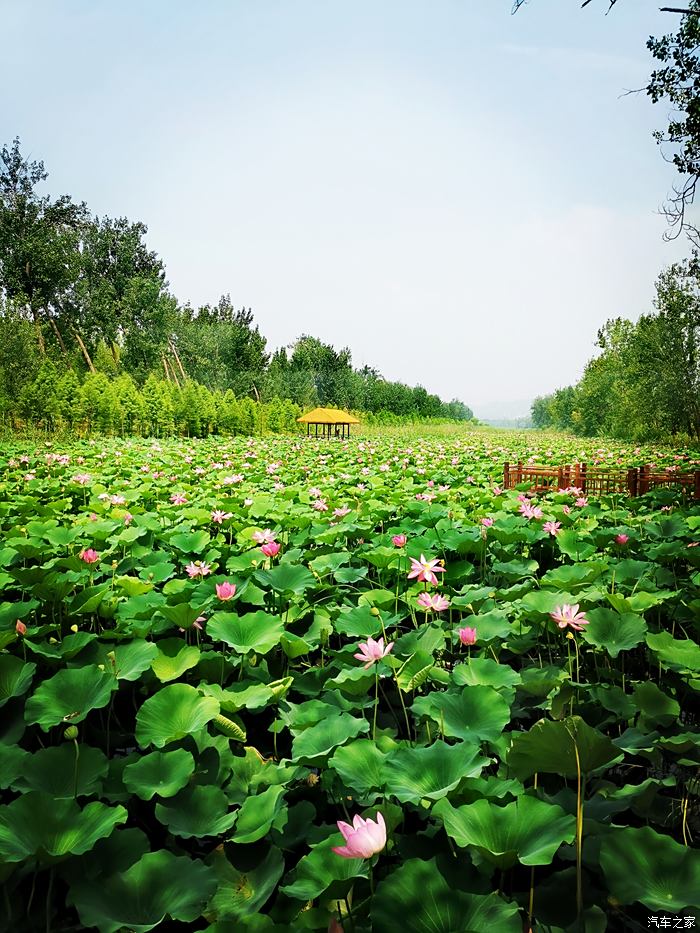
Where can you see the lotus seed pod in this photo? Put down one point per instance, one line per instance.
(71, 733)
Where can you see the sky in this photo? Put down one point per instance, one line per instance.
(461, 196)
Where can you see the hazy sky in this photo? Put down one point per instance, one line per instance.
(460, 195)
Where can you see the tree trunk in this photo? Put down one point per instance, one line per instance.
(59, 337)
(84, 350)
(178, 360)
(39, 335)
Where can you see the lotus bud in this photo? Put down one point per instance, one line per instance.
(74, 628)
(53, 641)
(71, 733)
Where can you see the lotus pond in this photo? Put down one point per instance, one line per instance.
(213, 652)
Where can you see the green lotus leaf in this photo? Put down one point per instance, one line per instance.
(36, 825)
(192, 542)
(69, 696)
(161, 773)
(678, 654)
(314, 743)
(172, 713)
(357, 622)
(476, 714)
(139, 899)
(430, 904)
(256, 631)
(131, 658)
(258, 813)
(572, 543)
(184, 615)
(242, 894)
(552, 746)
(287, 578)
(88, 600)
(53, 770)
(413, 774)
(614, 632)
(656, 707)
(12, 759)
(316, 871)
(543, 602)
(527, 830)
(643, 865)
(361, 765)
(173, 659)
(485, 671)
(197, 812)
(15, 677)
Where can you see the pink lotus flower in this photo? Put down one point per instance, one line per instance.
(197, 568)
(552, 528)
(399, 540)
(225, 591)
(622, 539)
(487, 522)
(128, 518)
(264, 537)
(467, 635)
(371, 651)
(566, 509)
(497, 491)
(425, 569)
(82, 479)
(341, 512)
(569, 615)
(178, 498)
(20, 628)
(320, 505)
(581, 502)
(271, 549)
(89, 555)
(434, 602)
(218, 516)
(530, 511)
(363, 839)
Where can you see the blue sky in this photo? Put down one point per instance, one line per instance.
(460, 195)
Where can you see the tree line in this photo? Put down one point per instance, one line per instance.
(90, 334)
(645, 382)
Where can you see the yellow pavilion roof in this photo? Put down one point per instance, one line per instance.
(328, 416)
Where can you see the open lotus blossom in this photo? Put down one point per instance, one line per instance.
(467, 635)
(487, 522)
(363, 839)
(341, 512)
(371, 651)
(399, 540)
(82, 479)
(218, 516)
(89, 555)
(581, 502)
(320, 505)
(434, 602)
(128, 518)
(264, 537)
(178, 498)
(425, 570)
(530, 511)
(197, 568)
(622, 539)
(225, 591)
(271, 549)
(569, 615)
(552, 528)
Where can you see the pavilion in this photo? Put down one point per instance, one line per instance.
(333, 422)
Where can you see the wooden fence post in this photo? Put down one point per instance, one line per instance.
(632, 482)
(697, 484)
(506, 475)
(642, 480)
(560, 477)
(519, 473)
(582, 477)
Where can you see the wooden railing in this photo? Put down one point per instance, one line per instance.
(598, 481)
